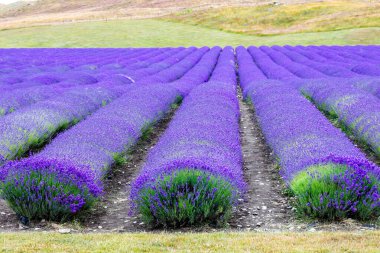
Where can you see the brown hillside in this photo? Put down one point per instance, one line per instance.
(44, 12)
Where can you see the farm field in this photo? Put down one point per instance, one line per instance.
(158, 33)
(274, 139)
(156, 126)
(283, 17)
(57, 23)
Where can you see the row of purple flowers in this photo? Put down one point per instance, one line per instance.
(356, 109)
(27, 93)
(202, 138)
(67, 175)
(303, 139)
(33, 125)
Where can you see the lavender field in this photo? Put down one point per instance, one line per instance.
(189, 137)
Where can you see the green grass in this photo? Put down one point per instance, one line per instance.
(192, 242)
(154, 33)
(272, 19)
(316, 189)
(186, 198)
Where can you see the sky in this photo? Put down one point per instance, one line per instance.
(8, 1)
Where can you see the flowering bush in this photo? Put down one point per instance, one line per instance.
(48, 189)
(338, 187)
(317, 160)
(91, 150)
(193, 175)
(185, 198)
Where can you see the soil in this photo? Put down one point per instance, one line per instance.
(113, 211)
(264, 207)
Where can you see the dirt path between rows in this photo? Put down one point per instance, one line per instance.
(112, 213)
(264, 206)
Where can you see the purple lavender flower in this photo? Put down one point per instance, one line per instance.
(302, 138)
(93, 149)
(358, 110)
(202, 138)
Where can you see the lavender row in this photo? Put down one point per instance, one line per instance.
(298, 122)
(83, 76)
(326, 68)
(18, 98)
(78, 159)
(123, 122)
(357, 110)
(194, 173)
(33, 125)
(329, 175)
(25, 70)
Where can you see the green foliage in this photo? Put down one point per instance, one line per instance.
(146, 131)
(186, 198)
(321, 194)
(120, 159)
(177, 102)
(38, 195)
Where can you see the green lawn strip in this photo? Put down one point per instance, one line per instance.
(192, 242)
(155, 33)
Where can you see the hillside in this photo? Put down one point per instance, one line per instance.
(269, 19)
(6, 9)
(44, 12)
(58, 23)
(47, 10)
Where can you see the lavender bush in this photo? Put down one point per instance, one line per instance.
(48, 188)
(327, 68)
(193, 175)
(32, 126)
(346, 187)
(93, 150)
(357, 110)
(305, 144)
(28, 90)
(108, 99)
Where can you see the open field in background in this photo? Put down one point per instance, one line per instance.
(203, 242)
(164, 23)
(56, 23)
(23, 14)
(155, 33)
(269, 19)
